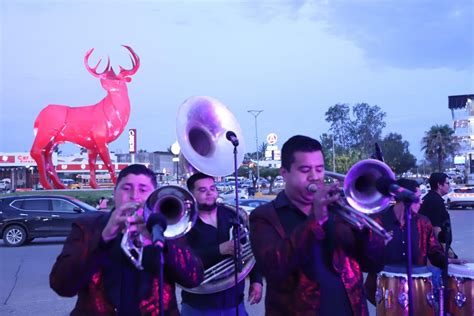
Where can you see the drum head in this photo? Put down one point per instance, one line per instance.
(462, 270)
(401, 270)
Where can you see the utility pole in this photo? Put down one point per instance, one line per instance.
(333, 156)
(255, 114)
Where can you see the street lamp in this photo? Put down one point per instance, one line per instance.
(175, 149)
(255, 114)
(333, 156)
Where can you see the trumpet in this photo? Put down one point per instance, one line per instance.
(180, 210)
(132, 242)
(361, 195)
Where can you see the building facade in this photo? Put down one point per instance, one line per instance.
(462, 113)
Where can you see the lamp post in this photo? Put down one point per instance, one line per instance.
(333, 156)
(255, 114)
(175, 149)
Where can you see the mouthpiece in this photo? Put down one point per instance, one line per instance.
(312, 187)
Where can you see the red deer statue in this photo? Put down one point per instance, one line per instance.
(92, 126)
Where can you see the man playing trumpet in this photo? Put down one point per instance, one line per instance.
(312, 260)
(93, 266)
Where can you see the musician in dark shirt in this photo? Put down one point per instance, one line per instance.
(433, 206)
(424, 244)
(210, 240)
(94, 267)
(312, 261)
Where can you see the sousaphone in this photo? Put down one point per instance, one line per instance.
(201, 126)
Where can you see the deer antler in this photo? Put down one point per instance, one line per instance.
(107, 71)
(135, 64)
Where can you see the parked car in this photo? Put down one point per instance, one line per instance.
(71, 184)
(223, 186)
(249, 205)
(5, 184)
(230, 195)
(25, 217)
(460, 197)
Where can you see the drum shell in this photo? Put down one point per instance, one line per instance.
(396, 282)
(461, 280)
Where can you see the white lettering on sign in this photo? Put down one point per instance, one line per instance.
(272, 138)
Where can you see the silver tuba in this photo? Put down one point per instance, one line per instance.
(179, 208)
(220, 276)
(201, 126)
(361, 195)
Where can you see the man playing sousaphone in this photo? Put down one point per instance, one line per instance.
(93, 265)
(210, 239)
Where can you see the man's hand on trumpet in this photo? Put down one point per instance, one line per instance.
(128, 215)
(324, 195)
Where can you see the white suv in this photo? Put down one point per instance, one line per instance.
(5, 185)
(460, 197)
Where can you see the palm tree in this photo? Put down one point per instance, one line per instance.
(261, 150)
(438, 143)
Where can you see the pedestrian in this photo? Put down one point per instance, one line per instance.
(102, 204)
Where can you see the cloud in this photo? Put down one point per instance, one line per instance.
(395, 33)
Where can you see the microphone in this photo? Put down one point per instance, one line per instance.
(156, 224)
(230, 135)
(389, 187)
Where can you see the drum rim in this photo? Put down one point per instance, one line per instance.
(400, 270)
(461, 270)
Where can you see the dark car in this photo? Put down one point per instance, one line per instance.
(25, 217)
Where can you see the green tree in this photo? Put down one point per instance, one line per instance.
(396, 153)
(338, 116)
(269, 174)
(367, 126)
(438, 143)
(345, 161)
(261, 150)
(326, 143)
(357, 130)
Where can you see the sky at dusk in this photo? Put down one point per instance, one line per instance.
(291, 59)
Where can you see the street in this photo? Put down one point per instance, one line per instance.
(24, 286)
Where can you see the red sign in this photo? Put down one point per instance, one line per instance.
(25, 159)
(7, 159)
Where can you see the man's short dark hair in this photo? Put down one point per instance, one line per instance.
(408, 184)
(195, 177)
(297, 143)
(436, 179)
(137, 169)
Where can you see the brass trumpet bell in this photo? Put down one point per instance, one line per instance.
(201, 126)
(359, 186)
(177, 205)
